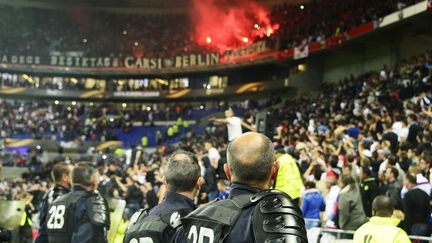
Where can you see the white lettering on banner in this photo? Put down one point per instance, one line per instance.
(19, 59)
(56, 220)
(203, 234)
(128, 62)
(57, 59)
(184, 61)
(253, 49)
(136, 94)
(53, 60)
(62, 61)
(192, 60)
(153, 63)
(142, 240)
(107, 62)
(178, 62)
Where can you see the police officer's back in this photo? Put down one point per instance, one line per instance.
(82, 215)
(252, 213)
(61, 177)
(182, 179)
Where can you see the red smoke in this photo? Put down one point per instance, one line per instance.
(226, 24)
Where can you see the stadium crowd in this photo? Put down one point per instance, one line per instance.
(311, 24)
(118, 35)
(70, 121)
(362, 137)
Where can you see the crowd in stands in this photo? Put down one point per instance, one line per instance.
(73, 121)
(362, 137)
(370, 135)
(118, 35)
(311, 24)
(73, 84)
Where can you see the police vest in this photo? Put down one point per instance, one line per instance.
(170, 132)
(144, 141)
(153, 228)
(275, 218)
(61, 216)
(373, 231)
(175, 128)
(289, 179)
(185, 124)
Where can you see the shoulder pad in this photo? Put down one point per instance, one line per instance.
(98, 211)
(55, 193)
(276, 218)
(223, 211)
(174, 219)
(137, 215)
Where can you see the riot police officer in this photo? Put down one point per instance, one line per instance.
(82, 215)
(183, 181)
(253, 213)
(61, 177)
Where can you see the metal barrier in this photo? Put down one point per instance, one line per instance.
(338, 233)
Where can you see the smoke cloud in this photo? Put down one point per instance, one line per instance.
(227, 24)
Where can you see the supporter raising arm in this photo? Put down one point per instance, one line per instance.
(234, 124)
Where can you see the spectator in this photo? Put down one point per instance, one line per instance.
(313, 204)
(422, 183)
(234, 124)
(393, 188)
(391, 137)
(417, 208)
(210, 186)
(331, 202)
(381, 227)
(150, 196)
(213, 154)
(350, 209)
(223, 190)
(134, 197)
(425, 166)
(368, 189)
(414, 130)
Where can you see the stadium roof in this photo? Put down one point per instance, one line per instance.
(130, 6)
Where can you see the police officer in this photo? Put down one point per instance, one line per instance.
(382, 227)
(183, 181)
(81, 216)
(253, 213)
(61, 177)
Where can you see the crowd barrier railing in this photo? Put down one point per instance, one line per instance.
(317, 235)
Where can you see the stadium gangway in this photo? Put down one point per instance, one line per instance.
(339, 233)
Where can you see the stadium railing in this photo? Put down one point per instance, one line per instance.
(316, 235)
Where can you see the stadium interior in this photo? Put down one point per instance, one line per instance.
(342, 86)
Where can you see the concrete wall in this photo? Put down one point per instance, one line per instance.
(363, 58)
(311, 79)
(372, 56)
